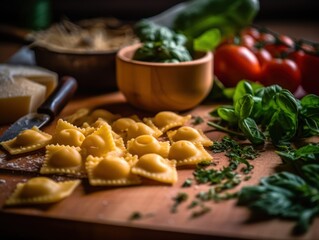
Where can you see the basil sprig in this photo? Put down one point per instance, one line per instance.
(268, 113)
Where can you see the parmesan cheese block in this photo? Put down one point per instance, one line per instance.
(23, 90)
(36, 74)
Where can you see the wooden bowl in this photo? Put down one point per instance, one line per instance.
(94, 71)
(158, 87)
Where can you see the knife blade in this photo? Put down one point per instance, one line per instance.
(46, 112)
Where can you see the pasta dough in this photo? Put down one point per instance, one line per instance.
(111, 170)
(188, 153)
(41, 190)
(154, 166)
(28, 140)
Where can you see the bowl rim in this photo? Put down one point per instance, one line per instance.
(121, 54)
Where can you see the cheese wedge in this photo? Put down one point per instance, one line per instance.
(36, 74)
(23, 90)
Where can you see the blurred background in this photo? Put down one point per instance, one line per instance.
(295, 18)
(39, 13)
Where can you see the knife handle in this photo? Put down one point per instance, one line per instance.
(59, 98)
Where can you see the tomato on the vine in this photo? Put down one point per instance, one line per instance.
(282, 45)
(262, 55)
(283, 72)
(247, 41)
(310, 73)
(297, 56)
(233, 63)
(251, 31)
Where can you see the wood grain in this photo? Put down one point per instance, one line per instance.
(104, 212)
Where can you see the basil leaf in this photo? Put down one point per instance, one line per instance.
(227, 114)
(251, 130)
(267, 94)
(208, 41)
(244, 106)
(282, 127)
(243, 87)
(286, 101)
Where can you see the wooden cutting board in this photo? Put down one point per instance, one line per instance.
(104, 212)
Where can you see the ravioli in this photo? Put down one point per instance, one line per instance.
(78, 117)
(121, 126)
(41, 190)
(105, 115)
(155, 167)
(140, 128)
(28, 140)
(99, 142)
(66, 133)
(147, 144)
(111, 170)
(166, 120)
(188, 153)
(85, 116)
(189, 134)
(62, 159)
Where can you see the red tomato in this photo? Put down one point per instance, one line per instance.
(283, 72)
(297, 56)
(277, 50)
(282, 45)
(262, 55)
(266, 38)
(247, 41)
(287, 41)
(251, 31)
(310, 73)
(233, 63)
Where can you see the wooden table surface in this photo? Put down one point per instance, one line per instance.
(103, 213)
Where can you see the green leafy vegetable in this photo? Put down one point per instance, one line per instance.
(160, 44)
(178, 199)
(286, 195)
(228, 16)
(204, 20)
(307, 153)
(261, 113)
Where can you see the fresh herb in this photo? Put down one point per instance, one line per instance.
(197, 120)
(160, 44)
(187, 183)
(307, 153)
(286, 195)
(236, 153)
(262, 113)
(178, 199)
(203, 210)
(135, 216)
(216, 196)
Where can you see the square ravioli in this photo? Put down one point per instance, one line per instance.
(41, 190)
(61, 159)
(99, 142)
(147, 144)
(188, 153)
(167, 120)
(155, 167)
(66, 133)
(111, 170)
(190, 134)
(28, 140)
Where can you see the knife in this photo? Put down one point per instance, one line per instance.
(46, 112)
